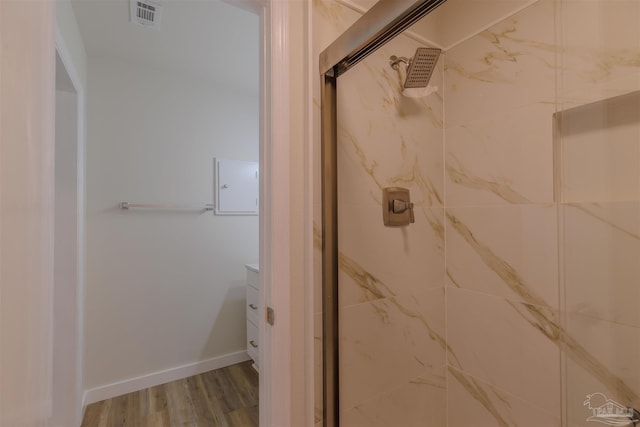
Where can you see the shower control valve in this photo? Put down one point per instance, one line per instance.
(400, 206)
(397, 209)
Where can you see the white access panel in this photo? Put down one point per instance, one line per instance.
(236, 187)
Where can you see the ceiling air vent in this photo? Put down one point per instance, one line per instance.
(146, 13)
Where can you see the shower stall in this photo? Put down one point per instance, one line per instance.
(477, 236)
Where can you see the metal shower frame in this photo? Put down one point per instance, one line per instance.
(385, 20)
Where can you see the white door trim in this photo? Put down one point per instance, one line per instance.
(275, 375)
(275, 378)
(72, 71)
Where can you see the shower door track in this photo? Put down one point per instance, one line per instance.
(385, 20)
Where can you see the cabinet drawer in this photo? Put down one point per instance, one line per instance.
(252, 341)
(252, 304)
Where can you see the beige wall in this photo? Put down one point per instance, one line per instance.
(27, 88)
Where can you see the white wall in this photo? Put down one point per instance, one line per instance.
(26, 210)
(163, 289)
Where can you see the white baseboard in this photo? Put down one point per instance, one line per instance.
(145, 381)
(83, 408)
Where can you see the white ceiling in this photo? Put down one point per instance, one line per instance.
(202, 38)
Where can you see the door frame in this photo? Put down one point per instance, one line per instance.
(276, 397)
(275, 394)
(381, 23)
(65, 56)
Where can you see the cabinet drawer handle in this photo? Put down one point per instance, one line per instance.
(253, 306)
(253, 344)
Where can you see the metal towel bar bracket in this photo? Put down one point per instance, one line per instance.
(128, 205)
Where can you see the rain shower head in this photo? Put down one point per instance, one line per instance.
(419, 68)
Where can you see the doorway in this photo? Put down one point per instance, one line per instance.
(166, 281)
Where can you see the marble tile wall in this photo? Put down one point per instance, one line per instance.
(392, 337)
(600, 57)
(601, 274)
(501, 224)
(599, 152)
(598, 149)
(493, 210)
(502, 230)
(391, 280)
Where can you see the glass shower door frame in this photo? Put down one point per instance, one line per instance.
(385, 20)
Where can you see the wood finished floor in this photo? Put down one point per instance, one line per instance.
(226, 397)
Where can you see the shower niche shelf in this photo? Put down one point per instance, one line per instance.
(597, 151)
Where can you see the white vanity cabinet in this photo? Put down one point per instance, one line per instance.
(253, 310)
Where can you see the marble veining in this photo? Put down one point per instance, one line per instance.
(503, 78)
(524, 237)
(411, 168)
(485, 75)
(415, 176)
(506, 48)
(504, 34)
(540, 316)
(453, 281)
(411, 172)
(479, 390)
(385, 139)
(411, 328)
(390, 84)
(438, 382)
(479, 393)
(506, 272)
(368, 166)
(604, 64)
(510, 65)
(436, 224)
(493, 344)
(472, 403)
(371, 286)
(379, 290)
(501, 187)
(600, 50)
(501, 158)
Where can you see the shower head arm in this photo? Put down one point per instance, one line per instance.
(394, 61)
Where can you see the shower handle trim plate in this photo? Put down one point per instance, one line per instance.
(397, 209)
